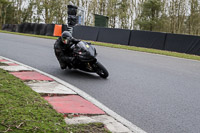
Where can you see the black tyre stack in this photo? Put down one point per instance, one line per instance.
(72, 18)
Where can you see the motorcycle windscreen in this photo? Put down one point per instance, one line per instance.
(92, 50)
(86, 48)
(82, 46)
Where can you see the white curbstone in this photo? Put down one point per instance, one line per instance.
(15, 68)
(51, 88)
(80, 120)
(111, 124)
(7, 62)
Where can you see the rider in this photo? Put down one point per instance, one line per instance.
(62, 48)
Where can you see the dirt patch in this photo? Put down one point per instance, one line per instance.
(3, 64)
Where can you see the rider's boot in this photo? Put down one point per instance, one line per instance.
(68, 61)
(63, 65)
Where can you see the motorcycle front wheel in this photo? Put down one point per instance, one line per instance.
(101, 70)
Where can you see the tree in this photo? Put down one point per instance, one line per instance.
(193, 21)
(133, 12)
(7, 13)
(112, 12)
(102, 7)
(150, 15)
(3, 11)
(123, 14)
(177, 15)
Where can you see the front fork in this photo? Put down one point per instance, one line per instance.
(91, 65)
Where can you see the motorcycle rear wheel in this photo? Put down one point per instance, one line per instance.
(101, 70)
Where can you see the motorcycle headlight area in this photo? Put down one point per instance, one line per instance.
(82, 53)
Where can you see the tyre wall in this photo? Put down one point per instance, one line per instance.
(14, 28)
(21, 28)
(43, 29)
(50, 29)
(37, 29)
(28, 28)
(3, 27)
(32, 27)
(8, 27)
(17, 28)
(64, 27)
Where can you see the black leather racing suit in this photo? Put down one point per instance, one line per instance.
(63, 51)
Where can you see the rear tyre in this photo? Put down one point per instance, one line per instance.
(101, 70)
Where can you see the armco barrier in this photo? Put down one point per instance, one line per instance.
(117, 36)
(147, 39)
(50, 29)
(183, 43)
(85, 32)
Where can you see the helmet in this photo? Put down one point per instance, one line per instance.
(66, 36)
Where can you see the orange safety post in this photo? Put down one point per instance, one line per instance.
(57, 30)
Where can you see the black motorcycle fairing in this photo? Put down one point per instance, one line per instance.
(84, 50)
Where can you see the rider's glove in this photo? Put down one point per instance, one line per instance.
(74, 40)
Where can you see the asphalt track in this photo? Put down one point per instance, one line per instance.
(159, 94)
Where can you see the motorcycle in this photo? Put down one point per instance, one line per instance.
(85, 59)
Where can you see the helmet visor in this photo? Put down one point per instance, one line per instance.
(64, 40)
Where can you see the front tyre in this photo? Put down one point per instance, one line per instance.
(101, 70)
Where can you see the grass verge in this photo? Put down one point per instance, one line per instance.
(32, 35)
(23, 110)
(3, 64)
(133, 48)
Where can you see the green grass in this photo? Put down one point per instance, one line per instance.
(87, 128)
(133, 48)
(23, 110)
(32, 35)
